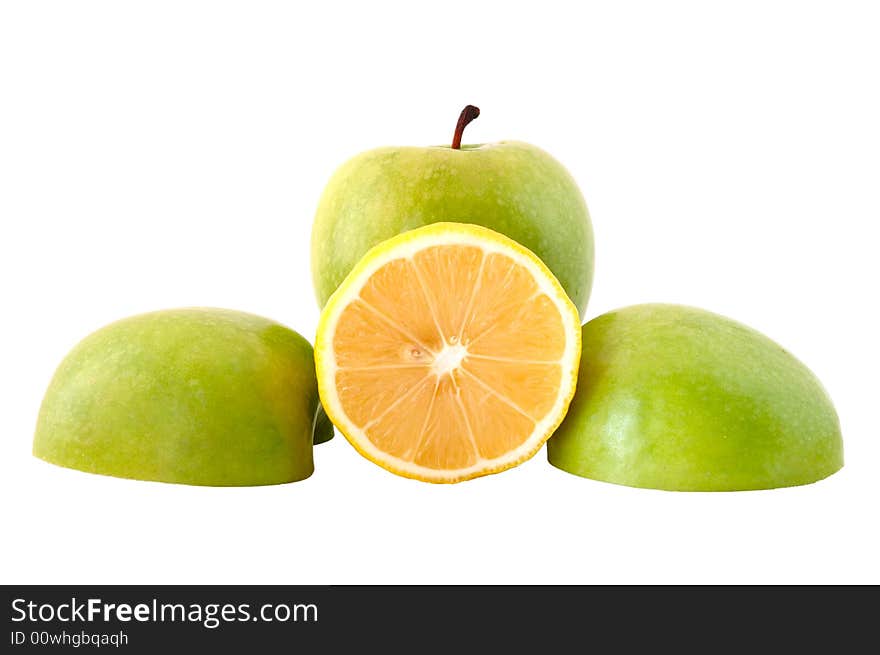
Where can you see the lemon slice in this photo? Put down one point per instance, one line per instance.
(449, 352)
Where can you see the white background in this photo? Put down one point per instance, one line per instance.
(162, 154)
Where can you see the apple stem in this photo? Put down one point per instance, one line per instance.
(468, 114)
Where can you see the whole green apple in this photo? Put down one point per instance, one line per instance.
(511, 187)
(193, 396)
(677, 398)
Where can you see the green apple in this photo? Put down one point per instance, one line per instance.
(511, 187)
(677, 398)
(193, 396)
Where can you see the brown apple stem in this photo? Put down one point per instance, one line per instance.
(468, 114)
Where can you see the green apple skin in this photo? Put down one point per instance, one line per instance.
(193, 396)
(677, 398)
(323, 427)
(510, 187)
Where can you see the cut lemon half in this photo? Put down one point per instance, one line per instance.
(449, 352)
